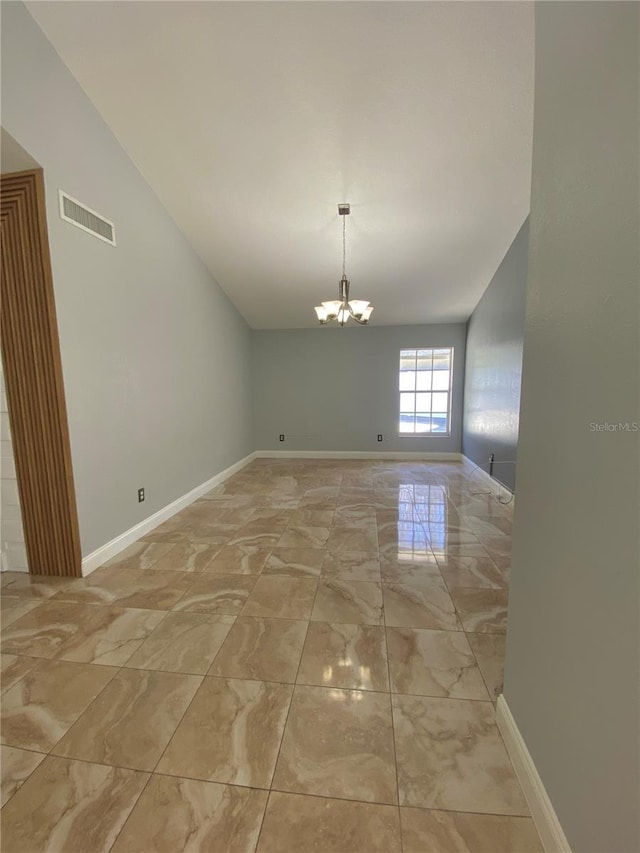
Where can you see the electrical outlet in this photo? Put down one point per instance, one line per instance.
(140, 495)
(379, 436)
(281, 436)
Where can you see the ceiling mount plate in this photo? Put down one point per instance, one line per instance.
(344, 209)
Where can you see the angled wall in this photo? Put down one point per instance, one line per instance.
(493, 369)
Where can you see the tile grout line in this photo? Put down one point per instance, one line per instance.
(266, 790)
(137, 800)
(284, 728)
(393, 730)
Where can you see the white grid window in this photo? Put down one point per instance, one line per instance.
(425, 391)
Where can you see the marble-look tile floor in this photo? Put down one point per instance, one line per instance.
(305, 659)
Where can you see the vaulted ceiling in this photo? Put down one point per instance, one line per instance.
(253, 120)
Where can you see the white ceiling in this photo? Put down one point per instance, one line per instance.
(252, 120)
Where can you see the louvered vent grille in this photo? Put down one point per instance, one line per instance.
(83, 217)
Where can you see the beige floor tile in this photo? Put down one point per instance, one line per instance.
(12, 609)
(183, 642)
(237, 515)
(260, 533)
(16, 765)
(482, 611)
(286, 598)
(132, 720)
(231, 733)
(356, 493)
(176, 814)
(338, 743)
(419, 606)
(415, 572)
(70, 807)
(13, 668)
(295, 562)
(228, 501)
(7, 577)
(217, 594)
(141, 554)
(282, 502)
(433, 663)
(355, 602)
(187, 557)
(458, 832)
(352, 538)
(450, 755)
(496, 545)
(349, 656)
(318, 494)
(128, 588)
(27, 586)
(478, 572)
(487, 525)
(312, 517)
(406, 551)
(390, 534)
(81, 632)
(239, 560)
(448, 550)
(294, 822)
(262, 649)
(502, 561)
(351, 566)
(169, 532)
(453, 536)
(489, 650)
(42, 707)
(302, 536)
(278, 519)
(361, 514)
(316, 504)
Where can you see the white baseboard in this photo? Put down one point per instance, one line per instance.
(483, 479)
(115, 546)
(549, 829)
(434, 456)
(96, 558)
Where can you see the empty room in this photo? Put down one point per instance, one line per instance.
(319, 427)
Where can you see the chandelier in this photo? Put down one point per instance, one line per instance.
(343, 308)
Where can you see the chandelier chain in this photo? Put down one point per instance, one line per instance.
(344, 245)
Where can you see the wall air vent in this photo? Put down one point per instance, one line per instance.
(78, 214)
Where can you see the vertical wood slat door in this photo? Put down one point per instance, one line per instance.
(33, 378)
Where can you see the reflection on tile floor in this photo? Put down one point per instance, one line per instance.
(305, 659)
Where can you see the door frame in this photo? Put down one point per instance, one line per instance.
(34, 383)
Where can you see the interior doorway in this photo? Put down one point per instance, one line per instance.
(33, 380)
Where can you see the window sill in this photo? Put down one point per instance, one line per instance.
(424, 435)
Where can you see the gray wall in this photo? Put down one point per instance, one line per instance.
(572, 641)
(336, 389)
(155, 358)
(493, 368)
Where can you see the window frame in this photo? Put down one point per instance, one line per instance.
(449, 393)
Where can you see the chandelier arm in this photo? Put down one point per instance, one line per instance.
(359, 322)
